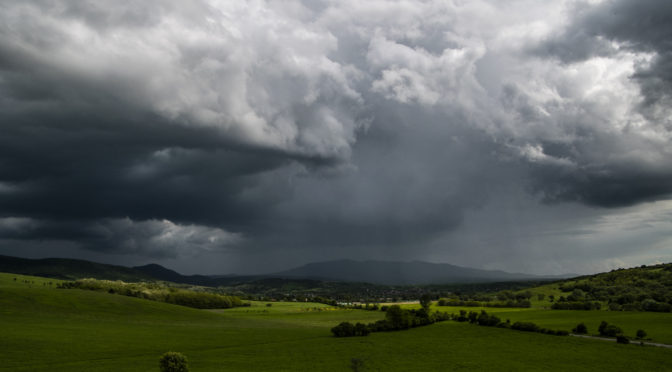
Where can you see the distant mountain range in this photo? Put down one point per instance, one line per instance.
(376, 272)
(402, 273)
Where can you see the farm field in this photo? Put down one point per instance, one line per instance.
(48, 329)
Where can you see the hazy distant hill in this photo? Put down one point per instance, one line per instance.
(376, 272)
(391, 273)
(64, 268)
(159, 272)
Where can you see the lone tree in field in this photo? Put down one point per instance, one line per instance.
(580, 329)
(609, 330)
(173, 362)
(426, 301)
(641, 334)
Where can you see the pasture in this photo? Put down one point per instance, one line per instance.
(49, 329)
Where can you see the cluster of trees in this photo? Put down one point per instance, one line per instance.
(370, 307)
(347, 329)
(505, 298)
(491, 320)
(473, 317)
(609, 330)
(396, 319)
(158, 292)
(645, 288)
(472, 303)
(531, 327)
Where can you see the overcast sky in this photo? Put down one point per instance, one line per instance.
(252, 136)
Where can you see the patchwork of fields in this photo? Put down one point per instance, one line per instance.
(49, 329)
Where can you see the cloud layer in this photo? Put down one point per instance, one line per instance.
(287, 132)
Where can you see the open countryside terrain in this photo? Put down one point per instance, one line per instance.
(49, 329)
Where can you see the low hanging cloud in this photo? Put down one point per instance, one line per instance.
(303, 130)
(151, 238)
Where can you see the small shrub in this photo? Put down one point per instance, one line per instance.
(609, 330)
(641, 334)
(345, 329)
(622, 339)
(525, 326)
(269, 304)
(173, 362)
(580, 329)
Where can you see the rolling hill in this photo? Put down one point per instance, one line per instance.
(375, 272)
(401, 273)
(64, 268)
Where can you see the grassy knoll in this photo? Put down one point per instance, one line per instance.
(48, 329)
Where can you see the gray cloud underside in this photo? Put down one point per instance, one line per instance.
(322, 129)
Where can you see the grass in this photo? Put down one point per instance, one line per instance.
(48, 329)
(658, 326)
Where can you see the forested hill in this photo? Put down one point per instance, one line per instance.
(64, 268)
(647, 288)
(69, 269)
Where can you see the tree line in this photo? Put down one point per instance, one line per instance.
(158, 292)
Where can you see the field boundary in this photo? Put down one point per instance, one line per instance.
(614, 340)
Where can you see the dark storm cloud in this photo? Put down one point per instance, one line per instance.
(105, 119)
(610, 29)
(621, 25)
(285, 132)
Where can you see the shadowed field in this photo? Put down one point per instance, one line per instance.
(48, 329)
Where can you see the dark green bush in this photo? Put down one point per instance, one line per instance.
(173, 362)
(580, 329)
(525, 326)
(622, 339)
(344, 329)
(347, 329)
(609, 330)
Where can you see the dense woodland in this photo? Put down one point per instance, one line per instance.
(646, 288)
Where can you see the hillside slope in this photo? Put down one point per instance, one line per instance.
(645, 288)
(63, 268)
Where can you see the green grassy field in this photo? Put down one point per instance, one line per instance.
(658, 326)
(48, 329)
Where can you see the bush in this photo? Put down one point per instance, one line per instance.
(173, 362)
(580, 329)
(641, 334)
(398, 318)
(488, 320)
(609, 330)
(622, 339)
(525, 326)
(346, 329)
